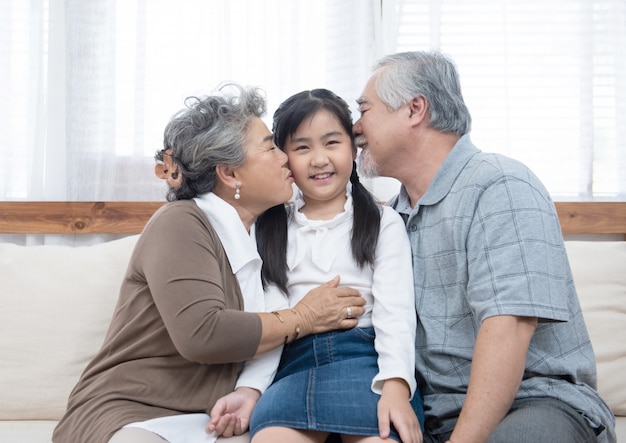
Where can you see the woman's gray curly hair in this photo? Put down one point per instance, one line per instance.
(210, 131)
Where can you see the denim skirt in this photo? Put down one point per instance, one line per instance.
(324, 383)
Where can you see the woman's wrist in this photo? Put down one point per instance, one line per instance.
(285, 316)
(296, 330)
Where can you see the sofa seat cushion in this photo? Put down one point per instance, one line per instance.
(27, 431)
(599, 269)
(620, 429)
(57, 302)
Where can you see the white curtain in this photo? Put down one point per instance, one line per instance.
(86, 86)
(545, 81)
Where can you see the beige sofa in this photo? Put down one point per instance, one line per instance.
(56, 302)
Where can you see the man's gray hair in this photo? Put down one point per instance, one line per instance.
(406, 75)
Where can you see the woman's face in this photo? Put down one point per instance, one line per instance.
(265, 179)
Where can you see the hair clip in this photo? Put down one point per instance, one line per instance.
(167, 169)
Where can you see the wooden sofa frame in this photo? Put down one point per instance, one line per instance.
(121, 217)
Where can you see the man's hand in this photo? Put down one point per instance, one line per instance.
(231, 413)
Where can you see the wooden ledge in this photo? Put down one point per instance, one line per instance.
(119, 217)
(75, 217)
(592, 217)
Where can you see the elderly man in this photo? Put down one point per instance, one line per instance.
(502, 350)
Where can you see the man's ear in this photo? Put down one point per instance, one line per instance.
(418, 109)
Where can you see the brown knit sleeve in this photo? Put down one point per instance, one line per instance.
(194, 288)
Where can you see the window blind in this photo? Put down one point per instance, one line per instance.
(544, 82)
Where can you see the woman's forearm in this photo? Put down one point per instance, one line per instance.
(279, 328)
(322, 309)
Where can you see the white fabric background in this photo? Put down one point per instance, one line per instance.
(86, 87)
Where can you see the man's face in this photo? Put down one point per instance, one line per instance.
(374, 132)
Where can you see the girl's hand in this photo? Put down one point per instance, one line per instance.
(394, 408)
(231, 413)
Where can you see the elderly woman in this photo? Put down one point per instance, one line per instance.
(191, 307)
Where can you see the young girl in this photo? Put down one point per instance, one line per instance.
(359, 383)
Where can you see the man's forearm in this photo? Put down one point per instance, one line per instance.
(497, 368)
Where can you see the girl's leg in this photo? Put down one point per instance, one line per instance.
(274, 433)
(135, 435)
(243, 438)
(138, 435)
(365, 439)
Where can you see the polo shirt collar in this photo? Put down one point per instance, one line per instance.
(447, 174)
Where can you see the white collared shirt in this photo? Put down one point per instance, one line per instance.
(240, 247)
(246, 263)
(318, 250)
(241, 250)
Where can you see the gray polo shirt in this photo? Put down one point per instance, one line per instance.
(486, 241)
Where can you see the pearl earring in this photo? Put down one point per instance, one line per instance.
(237, 192)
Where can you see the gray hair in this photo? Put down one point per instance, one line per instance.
(406, 75)
(210, 131)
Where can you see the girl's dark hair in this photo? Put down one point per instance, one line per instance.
(271, 226)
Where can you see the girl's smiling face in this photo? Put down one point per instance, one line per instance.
(321, 156)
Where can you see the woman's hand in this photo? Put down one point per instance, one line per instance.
(329, 307)
(325, 308)
(394, 407)
(231, 413)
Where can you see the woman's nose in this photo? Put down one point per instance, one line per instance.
(282, 157)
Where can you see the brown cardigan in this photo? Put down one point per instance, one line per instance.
(177, 329)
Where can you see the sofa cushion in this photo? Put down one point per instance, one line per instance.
(56, 303)
(599, 269)
(27, 431)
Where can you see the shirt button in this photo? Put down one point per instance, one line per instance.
(413, 228)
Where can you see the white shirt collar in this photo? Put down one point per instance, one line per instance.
(313, 235)
(240, 246)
